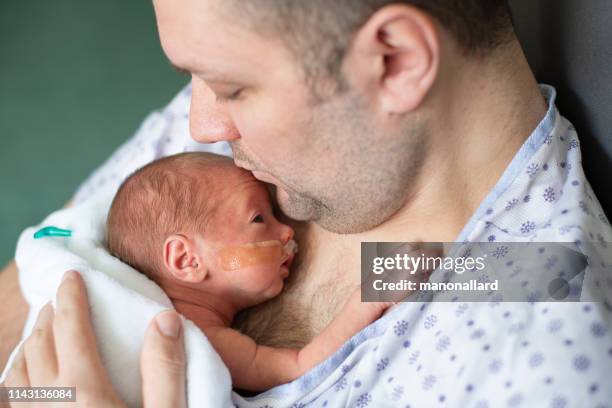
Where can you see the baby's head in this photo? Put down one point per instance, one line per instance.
(196, 220)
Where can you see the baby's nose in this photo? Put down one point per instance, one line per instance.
(287, 233)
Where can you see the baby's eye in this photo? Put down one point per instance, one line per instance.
(258, 219)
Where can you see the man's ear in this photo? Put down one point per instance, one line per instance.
(395, 57)
(182, 260)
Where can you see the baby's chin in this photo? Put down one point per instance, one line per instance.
(273, 290)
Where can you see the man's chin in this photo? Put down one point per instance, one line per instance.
(295, 206)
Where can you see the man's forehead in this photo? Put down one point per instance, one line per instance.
(199, 38)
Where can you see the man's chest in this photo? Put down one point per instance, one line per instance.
(318, 287)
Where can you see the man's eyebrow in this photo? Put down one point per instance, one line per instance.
(216, 76)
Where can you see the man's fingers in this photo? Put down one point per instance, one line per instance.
(74, 336)
(18, 376)
(162, 363)
(40, 350)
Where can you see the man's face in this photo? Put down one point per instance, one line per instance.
(326, 159)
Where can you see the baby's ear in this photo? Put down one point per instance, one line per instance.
(182, 260)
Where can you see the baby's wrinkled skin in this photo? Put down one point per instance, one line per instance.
(239, 260)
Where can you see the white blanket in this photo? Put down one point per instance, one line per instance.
(122, 303)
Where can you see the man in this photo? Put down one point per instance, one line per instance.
(417, 121)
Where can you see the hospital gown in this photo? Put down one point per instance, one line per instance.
(459, 354)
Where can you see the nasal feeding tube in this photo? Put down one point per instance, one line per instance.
(256, 253)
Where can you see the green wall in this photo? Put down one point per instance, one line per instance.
(76, 79)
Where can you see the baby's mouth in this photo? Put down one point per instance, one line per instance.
(289, 251)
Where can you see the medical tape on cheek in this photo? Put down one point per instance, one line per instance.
(254, 254)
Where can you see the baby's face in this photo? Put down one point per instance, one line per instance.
(248, 243)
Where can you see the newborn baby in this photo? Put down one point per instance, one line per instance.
(204, 230)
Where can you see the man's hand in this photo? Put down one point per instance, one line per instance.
(62, 352)
(14, 311)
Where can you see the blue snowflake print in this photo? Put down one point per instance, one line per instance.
(527, 198)
(406, 344)
(477, 334)
(558, 402)
(545, 166)
(515, 400)
(429, 382)
(549, 195)
(400, 328)
(500, 252)
(397, 393)
(555, 325)
(430, 321)
(593, 388)
(584, 207)
(511, 204)
(357, 384)
(581, 363)
(534, 296)
(551, 262)
(382, 364)
(346, 368)
(533, 169)
(413, 357)
(298, 405)
(484, 278)
(536, 360)
(573, 144)
(495, 365)
(461, 309)
(364, 400)
(443, 343)
(265, 406)
(602, 241)
(340, 385)
(527, 227)
(491, 238)
(548, 139)
(598, 329)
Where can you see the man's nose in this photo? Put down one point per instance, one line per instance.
(209, 121)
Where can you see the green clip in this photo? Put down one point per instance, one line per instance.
(52, 232)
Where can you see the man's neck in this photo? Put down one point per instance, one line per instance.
(490, 110)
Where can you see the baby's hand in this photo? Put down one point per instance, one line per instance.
(369, 310)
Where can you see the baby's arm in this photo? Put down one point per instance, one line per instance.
(257, 368)
(354, 316)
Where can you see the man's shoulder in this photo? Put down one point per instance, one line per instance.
(549, 199)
